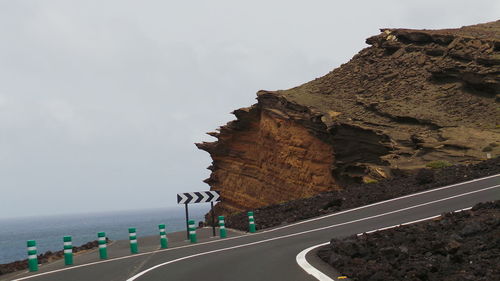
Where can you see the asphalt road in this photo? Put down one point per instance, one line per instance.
(269, 254)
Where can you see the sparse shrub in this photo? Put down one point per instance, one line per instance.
(487, 149)
(368, 180)
(424, 176)
(438, 164)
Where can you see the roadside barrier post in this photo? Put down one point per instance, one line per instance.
(163, 236)
(68, 250)
(251, 222)
(192, 231)
(222, 227)
(103, 250)
(133, 240)
(32, 257)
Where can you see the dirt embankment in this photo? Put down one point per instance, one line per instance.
(356, 195)
(410, 98)
(458, 246)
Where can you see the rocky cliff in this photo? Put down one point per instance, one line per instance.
(411, 98)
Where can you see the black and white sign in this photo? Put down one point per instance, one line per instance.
(198, 197)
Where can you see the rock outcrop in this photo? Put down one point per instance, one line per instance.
(412, 97)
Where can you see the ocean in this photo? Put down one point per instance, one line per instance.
(48, 231)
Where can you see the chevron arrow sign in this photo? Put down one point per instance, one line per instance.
(198, 197)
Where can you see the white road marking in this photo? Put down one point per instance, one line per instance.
(260, 232)
(411, 222)
(311, 270)
(303, 232)
(307, 267)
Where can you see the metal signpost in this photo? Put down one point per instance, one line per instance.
(198, 197)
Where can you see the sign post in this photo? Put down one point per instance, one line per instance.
(187, 220)
(213, 217)
(198, 197)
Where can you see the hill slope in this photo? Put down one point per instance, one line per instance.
(412, 97)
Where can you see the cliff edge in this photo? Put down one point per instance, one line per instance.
(411, 98)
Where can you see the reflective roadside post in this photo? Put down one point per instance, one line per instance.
(68, 250)
(251, 222)
(103, 250)
(132, 235)
(222, 227)
(163, 236)
(192, 231)
(32, 257)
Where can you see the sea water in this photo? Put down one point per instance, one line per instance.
(48, 231)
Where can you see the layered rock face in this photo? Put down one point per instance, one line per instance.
(265, 157)
(412, 97)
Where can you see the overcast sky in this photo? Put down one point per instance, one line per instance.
(101, 101)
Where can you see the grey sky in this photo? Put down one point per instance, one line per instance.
(101, 101)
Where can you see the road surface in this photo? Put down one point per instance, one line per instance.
(269, 254)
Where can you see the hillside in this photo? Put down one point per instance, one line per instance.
(411, 98)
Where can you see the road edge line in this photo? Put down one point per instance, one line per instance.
(311, 270)
(307, 267)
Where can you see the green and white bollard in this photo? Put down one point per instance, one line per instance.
(103, 248)
(32, 258)
(163, 236)
(68, 250)
(251, 222)
(132, 235)
(222, 227)
(192, 231)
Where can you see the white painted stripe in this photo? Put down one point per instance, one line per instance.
(266, 231)
(222, 221)
(410, 222)
(32, 257)
(162, 231)
(397, 225)
(68, 251)
(132, 234)
(31, 248)
(250, 217)
(252, 222)
(307, 267)
(102, 238)
(102, 246)
(163, 236)
(133, 241)
(304, 232)
(192, 232)
(222, 227)
(67, 243)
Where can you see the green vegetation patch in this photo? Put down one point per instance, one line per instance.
(438, 164)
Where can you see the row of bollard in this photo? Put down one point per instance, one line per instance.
(134, 249)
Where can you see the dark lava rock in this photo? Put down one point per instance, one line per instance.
(465, 247)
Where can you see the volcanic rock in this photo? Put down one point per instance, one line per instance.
(430, 250)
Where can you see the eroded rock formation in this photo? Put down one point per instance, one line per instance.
(412, 97)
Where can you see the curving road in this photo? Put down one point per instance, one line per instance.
(271, 254)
